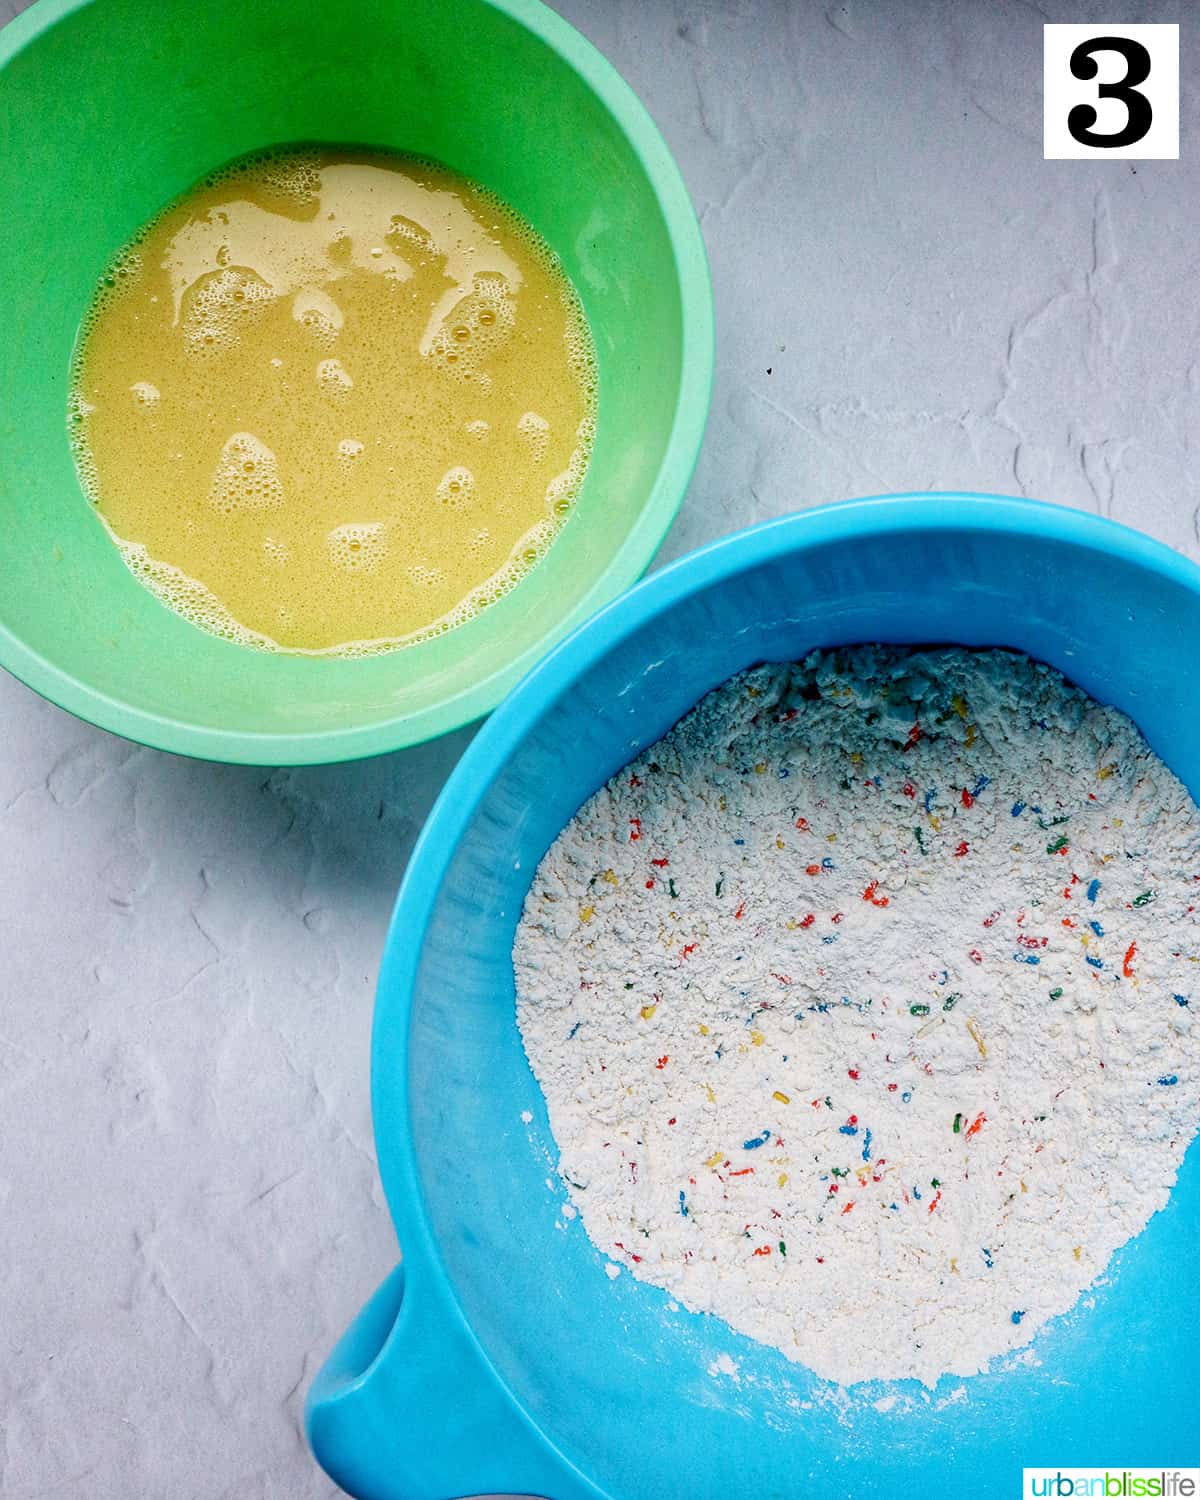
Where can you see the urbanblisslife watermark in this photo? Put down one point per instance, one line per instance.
(1113, 1484)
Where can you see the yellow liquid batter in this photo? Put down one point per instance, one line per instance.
(333, 401)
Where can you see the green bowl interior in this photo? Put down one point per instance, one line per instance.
(112, 108)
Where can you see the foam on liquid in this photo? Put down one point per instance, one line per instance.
(333, 402)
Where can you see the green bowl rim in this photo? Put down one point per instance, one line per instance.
(631, 560)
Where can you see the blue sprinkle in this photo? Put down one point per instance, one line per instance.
(1093, 890)
(739, 842)
(1180, 999)
(831, 939)
(783, 773)
(867, 1146)
(906, 1097)
(848, 1129)
(1096, 963)
(1028, 958)
(759, 1140)
(917, 1194)
(1017, 809)
(929, 796)
(1168, 1079)
(987, 1258)
(1017, 1316)
(980, 783)
(573, 1030)
(683, 1204)
(1096, 928)
(827, 864)
(895, 1207)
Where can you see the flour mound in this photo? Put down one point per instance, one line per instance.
(863, 1005)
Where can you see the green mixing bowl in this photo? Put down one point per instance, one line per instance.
(108, 109)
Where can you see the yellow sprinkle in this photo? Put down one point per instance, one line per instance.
(648, 1011)
(753, 692)
(703, 1030)
(721, 803)
(1078, 1252)
(959, 704)
(975, 1036)
(712, 1098)
(831, 838)
(760, 768)
(856, 757)
(782, 1179)
(715, 1159)
(934, 823)
(1105, 772)
(954, 1262)
(610, 878)
(782, 1097)
(1118, 823)
(586, 913)
(970, 739)
(778, 842)
(1024, 1189)
(757, 1038)
(791, 924)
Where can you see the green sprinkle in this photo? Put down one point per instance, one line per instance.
(828, 1103)
(782, 1248)
(1044, 824)
(957, 1123)
(1144, 899)
(918, 1010)
(951, 1000)
(919, 835)
(671, 891)
(1057, 846)
(720, 883)
(934, 1182)
(1056, 993)
(840, 1171)
(629, 984)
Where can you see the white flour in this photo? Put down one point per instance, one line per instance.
(863, 1005)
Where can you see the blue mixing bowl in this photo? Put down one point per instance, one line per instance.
(501, 1357)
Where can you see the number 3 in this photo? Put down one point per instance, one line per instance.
(1139, 115)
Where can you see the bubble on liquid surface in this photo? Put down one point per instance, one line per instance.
(534, 432)
(456, 487)
(358, 546)
(144, 394)
(348, 450)
(246, 476)
(333, 377)
(215, 304)
(319, 313)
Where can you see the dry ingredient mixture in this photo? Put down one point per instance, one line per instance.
(863, 1004)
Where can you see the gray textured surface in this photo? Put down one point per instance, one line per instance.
(908, 296)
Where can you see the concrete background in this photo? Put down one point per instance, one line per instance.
(908, 297)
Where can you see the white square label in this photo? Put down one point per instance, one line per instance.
(1111, 90)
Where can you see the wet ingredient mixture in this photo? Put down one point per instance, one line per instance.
(864, 1005)
(331, 401)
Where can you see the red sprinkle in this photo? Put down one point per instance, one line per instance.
(977, 1126)
(635, 830)
(909, 790)
(737, 916)
(914, 734)
(662, 1062)
(975, 956)
(869, 895)
(1127, 966)
(688, 948)
(962, 849)
(650, 884)
(937, 1198)
(745, 1172)
(808, 920)
(837, 917)
(967, 799)
(892, 1087)
(763, 1250)
(812, 869)
(660, 864)
(847, 1207)
(852, 1072)
(802, 824)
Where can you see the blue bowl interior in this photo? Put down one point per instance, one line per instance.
(616, 1380)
